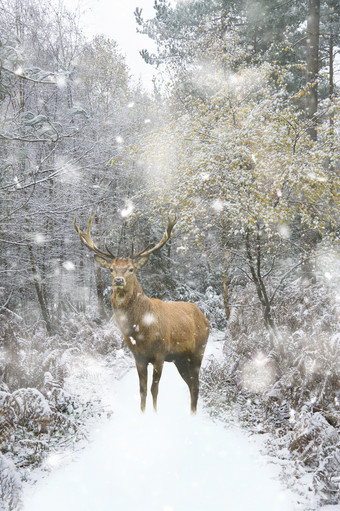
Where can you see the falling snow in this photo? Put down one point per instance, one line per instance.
(258, 375)
(39, 238)
(218, 205)
(61, 81)
(68, 265)
(284, 231)
(127, 210)
(148, 319)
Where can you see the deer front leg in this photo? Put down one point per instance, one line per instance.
(142, 368)
(157, 373)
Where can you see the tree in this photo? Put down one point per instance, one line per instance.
(60, 128)
(329, 48)
(235, 155)
(312, 46)
(237, 135)
(286, 34)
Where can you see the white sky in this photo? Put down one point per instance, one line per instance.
(115, 19)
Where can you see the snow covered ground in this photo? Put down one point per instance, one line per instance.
(171, 461)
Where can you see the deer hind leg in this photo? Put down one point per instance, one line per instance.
(194, 372)
(194, 365)
(189, 368)
(142, 369)
(157, 373)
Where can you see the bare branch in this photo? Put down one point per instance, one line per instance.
(19, 75)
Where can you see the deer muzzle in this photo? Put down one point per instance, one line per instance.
(119, 282)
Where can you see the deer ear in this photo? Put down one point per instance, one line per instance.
(103, 262)
(140, 262)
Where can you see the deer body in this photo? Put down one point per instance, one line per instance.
(155, 331)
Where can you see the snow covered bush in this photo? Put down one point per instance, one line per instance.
(285, 382)
(32, 409)
(211, 304)
(7, 415)
(12, 344)
(317, 444)
(10, 485)
(37, 412)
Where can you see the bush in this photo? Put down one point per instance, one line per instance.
(36, 412)
(285, 382)
(10, 487)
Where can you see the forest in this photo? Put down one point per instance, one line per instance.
(240, 140)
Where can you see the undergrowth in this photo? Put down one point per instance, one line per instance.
(285, 384)
(38, 414)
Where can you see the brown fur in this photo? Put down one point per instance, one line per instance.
(157, 331)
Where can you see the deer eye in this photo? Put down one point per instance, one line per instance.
(131, 269)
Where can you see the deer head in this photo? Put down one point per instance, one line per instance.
(123, 270)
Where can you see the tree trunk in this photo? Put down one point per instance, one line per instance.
(39, 291)
(225, 282)
(100, 294)
(99, 281)
(312, 46)
(225, 273)
(254, 258)
(331, 80)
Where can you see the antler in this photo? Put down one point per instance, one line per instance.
(85, 238)
(167, 234)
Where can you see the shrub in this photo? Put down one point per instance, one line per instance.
(285, 382)
(10, 487)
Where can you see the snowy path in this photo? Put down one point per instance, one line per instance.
(165, 462)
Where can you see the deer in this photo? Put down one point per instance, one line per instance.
(155, 331)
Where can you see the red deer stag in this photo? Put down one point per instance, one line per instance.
(155, 331)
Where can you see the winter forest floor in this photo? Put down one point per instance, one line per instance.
(165, 462)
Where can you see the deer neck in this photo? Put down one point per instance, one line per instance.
(122, 298)
(129, 306)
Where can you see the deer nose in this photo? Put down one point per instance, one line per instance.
(119, 281)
